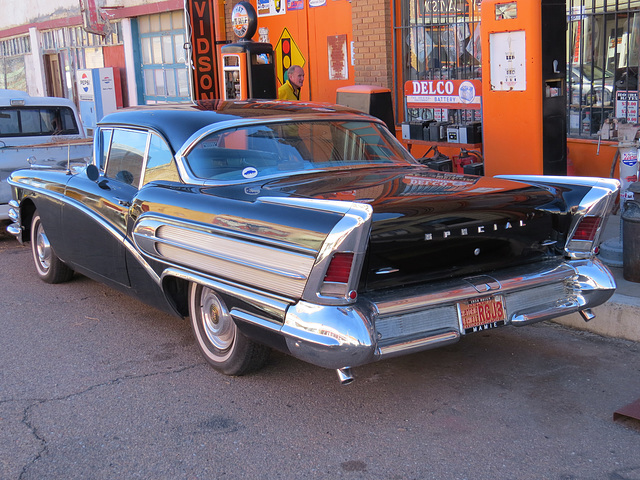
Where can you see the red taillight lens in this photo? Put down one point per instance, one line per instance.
(339, 268)
(587, 229)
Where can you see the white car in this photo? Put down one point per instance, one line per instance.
(46, 129)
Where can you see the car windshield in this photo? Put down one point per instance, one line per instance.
(276, 148)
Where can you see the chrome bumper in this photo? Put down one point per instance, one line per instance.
(408, 320)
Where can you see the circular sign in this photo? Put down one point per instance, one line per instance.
(467, 92)
(244, 20)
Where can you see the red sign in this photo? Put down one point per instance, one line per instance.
(443, 93)
(203, 52)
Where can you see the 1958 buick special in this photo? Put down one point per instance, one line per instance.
(308, 228)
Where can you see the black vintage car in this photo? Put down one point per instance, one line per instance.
(308, 228)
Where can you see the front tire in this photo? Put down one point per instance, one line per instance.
(49, 267)
(219, 340)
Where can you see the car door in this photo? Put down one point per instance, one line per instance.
(96, 216)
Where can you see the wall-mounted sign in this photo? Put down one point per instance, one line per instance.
(295, 5)
(443, 7)
(244, 20)
(203, 51)
(267, 8)
(443, 94)
(337, 56)
(287, 54)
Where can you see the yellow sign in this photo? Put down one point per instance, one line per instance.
(287, 54)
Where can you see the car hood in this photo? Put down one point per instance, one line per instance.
(429, 224)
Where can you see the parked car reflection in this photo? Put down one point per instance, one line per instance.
(590, 85)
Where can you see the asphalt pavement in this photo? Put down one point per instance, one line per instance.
(96, 385)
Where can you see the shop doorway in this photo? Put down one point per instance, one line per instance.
(53, 75)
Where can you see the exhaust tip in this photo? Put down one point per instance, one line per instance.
(587, 314)
(345, 376)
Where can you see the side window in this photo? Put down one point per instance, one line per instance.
(9, 125)
(160, 164)
(126, 156)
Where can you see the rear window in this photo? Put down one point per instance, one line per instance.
(37, 121)
(284, 148)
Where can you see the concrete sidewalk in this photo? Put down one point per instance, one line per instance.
(620, 316)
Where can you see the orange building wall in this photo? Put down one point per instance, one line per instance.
(368, 26)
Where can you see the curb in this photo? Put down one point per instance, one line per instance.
(617, 318)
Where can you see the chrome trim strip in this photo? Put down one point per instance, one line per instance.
(230, 253)
(252, 263)
(148, 222)
(246, 317)
(419, 344)
(607, 183)
(272, 305)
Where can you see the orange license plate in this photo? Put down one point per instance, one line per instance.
(482, 313)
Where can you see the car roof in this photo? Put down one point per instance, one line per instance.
(26, 100)
(177, 122)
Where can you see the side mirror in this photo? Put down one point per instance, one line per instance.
(92, 172)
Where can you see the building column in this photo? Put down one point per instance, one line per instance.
(130, 70)
(373, 46)
(36, 82)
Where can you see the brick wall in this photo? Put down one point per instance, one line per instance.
(372, 34)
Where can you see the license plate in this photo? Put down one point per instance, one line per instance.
(482, 313)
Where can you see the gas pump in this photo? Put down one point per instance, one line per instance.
(98, 94)
(248, 70)
(523, 87)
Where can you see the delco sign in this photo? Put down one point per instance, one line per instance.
(443, 94)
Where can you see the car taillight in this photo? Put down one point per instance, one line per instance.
(340, 268)
(587, 229)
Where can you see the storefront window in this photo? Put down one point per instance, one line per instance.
(162, 51)
(440, 40)
(602, 63)
(12, 66)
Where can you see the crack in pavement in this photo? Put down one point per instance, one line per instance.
(37, 402)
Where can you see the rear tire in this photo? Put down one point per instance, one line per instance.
(219, 340)
(49, 267)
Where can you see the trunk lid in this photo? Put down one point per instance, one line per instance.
(430, 225)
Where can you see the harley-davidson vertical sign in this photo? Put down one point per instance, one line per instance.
(204, 65)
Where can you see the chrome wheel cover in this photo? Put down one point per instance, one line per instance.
(42, 249)
(216, 321)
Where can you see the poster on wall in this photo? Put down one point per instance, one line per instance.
(295, 4)
(317, 3)
(268, 8)
(337, 55)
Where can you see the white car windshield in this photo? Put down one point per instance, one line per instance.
(276, 148)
